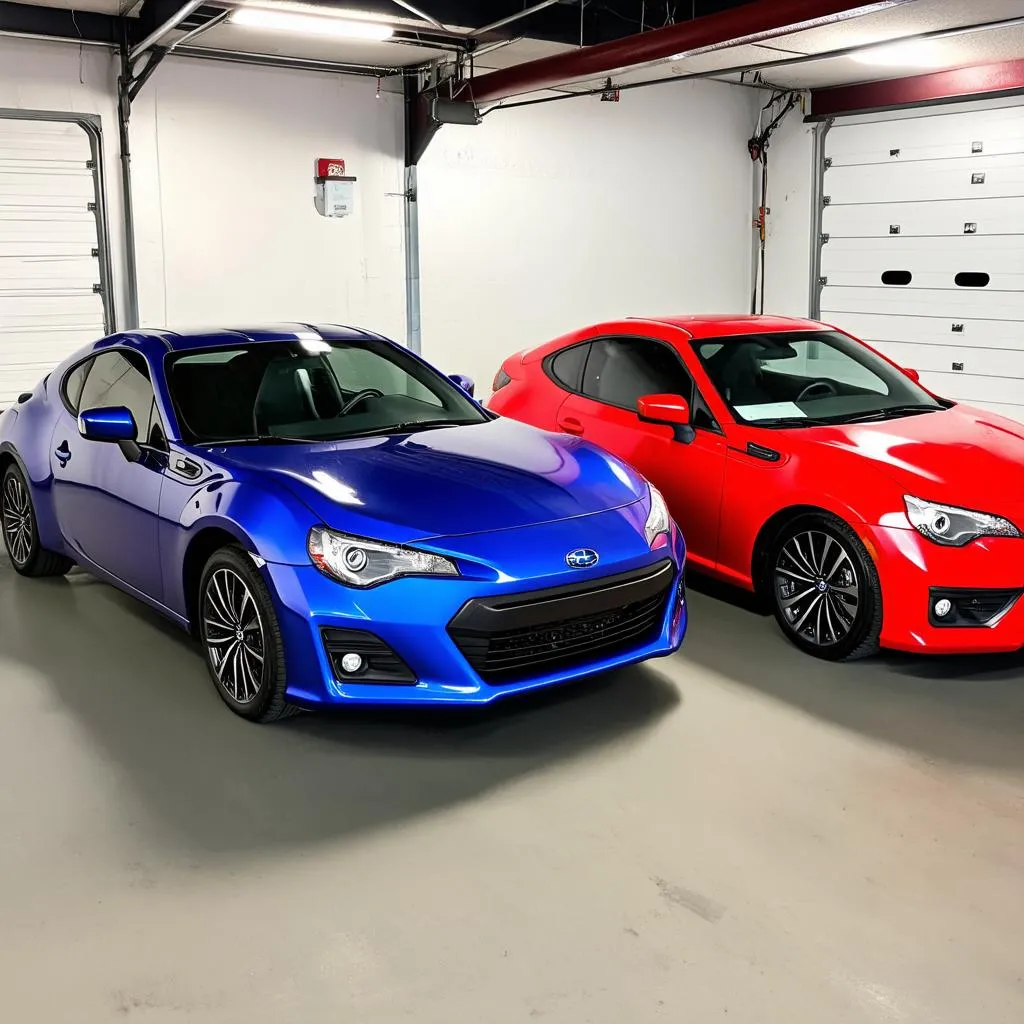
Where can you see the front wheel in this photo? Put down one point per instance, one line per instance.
(825, 589)
(241, 638)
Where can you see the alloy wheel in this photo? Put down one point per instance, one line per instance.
(17, 519)
(233, 635)
(817, 587)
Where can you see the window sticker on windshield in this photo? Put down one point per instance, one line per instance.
(770, 410)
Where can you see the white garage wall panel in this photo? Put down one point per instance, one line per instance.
(937, 195)
(547, 218)
(49, 249)
(223, 165)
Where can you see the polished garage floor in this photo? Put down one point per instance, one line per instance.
(738, 833)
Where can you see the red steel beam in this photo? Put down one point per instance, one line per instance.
(763, 19)
(959, 83)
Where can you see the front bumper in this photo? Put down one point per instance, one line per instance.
(915, 571)
(414, 616)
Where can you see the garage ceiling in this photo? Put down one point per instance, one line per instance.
(436, 31)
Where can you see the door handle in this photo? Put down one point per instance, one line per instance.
(63, 454)
(570, 425)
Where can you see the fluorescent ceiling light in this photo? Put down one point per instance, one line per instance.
(911, 54)
(309, 24)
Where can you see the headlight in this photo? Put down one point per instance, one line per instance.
(952, 526)
(659, 522)
(359, 562)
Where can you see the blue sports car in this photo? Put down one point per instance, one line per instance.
(335, 521)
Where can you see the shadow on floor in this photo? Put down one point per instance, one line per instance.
(968, 710)
(139, 688)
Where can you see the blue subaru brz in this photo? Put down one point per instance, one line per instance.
(335, 521)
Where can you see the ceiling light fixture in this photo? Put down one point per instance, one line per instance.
(309, 24)
(910, 54)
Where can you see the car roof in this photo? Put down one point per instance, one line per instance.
(724, 325)
(226, 337)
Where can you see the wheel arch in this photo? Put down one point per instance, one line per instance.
(198, 552)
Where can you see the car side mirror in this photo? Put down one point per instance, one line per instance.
(912, 374)
(464, 382)
(671, 410)
(113, 425)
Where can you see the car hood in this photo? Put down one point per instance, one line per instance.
(496, 475)
(961, 456)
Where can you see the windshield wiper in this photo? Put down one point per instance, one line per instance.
(408, 428)
(891, 413)
(259, 439)
(792, 421)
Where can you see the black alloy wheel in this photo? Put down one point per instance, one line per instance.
(825, 589)
(21, 535)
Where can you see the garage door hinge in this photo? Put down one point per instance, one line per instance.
(95, 254)
(977, 147)
(826, 200)
(894, 229)
(90, 165)
(97, 289)
(958, 328)
(828, 162)
(91, 207)
(978, 178)
(822, 281)
(894, 152)
(824, 237)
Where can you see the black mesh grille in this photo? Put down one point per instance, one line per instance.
(535, 634)
(380, 663)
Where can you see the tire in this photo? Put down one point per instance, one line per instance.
(21, 535)
(241, 638)
(824, 589)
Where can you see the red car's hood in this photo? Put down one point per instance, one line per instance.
(962, 456)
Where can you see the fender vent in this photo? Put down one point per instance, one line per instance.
(758, 451)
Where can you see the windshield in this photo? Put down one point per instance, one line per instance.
(310, 391)
(806, 378)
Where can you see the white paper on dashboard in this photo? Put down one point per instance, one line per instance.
(770, 411)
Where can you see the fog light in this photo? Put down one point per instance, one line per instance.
(942, 608)
(351, 663)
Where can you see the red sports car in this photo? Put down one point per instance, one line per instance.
(803, 465)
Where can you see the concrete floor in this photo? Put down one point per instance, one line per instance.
(738, 832)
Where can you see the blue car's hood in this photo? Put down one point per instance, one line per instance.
(455, 480)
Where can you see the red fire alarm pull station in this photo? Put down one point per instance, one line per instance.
(335, 190)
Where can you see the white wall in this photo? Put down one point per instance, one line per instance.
(223, 160)
(791, 220)
(546, 218)
(222, 168)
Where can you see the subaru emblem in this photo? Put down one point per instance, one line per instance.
(581, 558)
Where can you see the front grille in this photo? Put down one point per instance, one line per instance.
(970, 607)
(380, 663)
(509, 638)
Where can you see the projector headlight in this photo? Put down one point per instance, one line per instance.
(659, 522)
(952, 526)
(360, 562)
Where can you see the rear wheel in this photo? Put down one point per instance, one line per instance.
(21, 535)
(241, 638)
(825, 589)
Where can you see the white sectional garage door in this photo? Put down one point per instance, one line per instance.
(924, 255)
(49, 249)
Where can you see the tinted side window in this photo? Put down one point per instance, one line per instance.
(73, 384)
(622, 370)
(122, 378)
(567, 366)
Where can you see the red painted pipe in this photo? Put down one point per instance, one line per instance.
(762, 19)
(960, 83)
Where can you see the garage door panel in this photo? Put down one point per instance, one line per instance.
(942, 358)
(956, 303)
(49, 249)
(991, 217)
(934, 330)
(975, 389)
(943, 181)
(928, 137)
